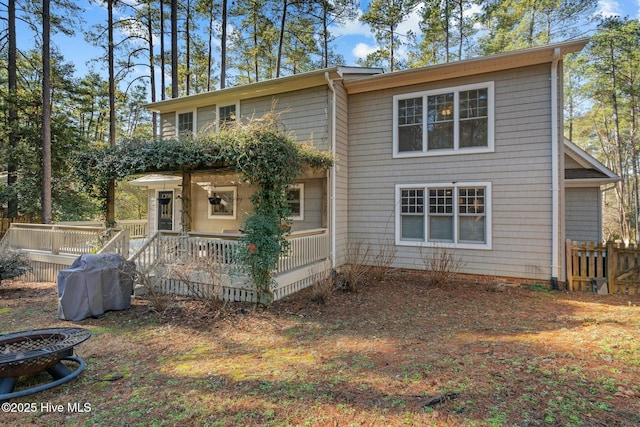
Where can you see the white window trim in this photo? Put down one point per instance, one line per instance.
(218, 106)
(456, 150)
(487, 245)
(301, 216)
(235, 203)
(195, 120)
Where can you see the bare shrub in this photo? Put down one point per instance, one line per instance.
(147, 280)
(384, 259)
(492, 284)
(202, 277)
(356, 265)
(441, 265)
(323, 288)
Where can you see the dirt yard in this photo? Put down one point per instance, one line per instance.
(397, 352)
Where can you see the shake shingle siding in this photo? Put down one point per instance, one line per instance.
(519, 171)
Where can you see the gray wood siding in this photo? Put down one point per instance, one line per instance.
(341, 166)
(206, 119)
(314, 205)
(583, 214)
(519, 171)
(168, 125)
(304, 113)
(200, 203)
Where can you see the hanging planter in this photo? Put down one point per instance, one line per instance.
(215, 200)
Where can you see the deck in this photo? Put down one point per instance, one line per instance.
(175, 263)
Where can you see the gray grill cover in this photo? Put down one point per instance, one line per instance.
(94, 284)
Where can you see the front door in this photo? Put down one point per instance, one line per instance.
(165, 210)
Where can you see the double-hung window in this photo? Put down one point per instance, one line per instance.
(444, 121)
(186, 122)
(451, 214)
(227, 114)
(295, 200)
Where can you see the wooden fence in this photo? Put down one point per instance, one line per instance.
(614, 264)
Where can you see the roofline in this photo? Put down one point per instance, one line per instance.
(484, 64)
(587, 161)
(262, 88)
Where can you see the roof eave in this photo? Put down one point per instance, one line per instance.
(485, 64)
(262, 88)
(592, 182)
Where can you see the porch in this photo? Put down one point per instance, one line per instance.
(205, 264)
(176, 263)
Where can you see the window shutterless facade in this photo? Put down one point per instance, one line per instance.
(295, 200)
(227, 114)
(445, 121)
(185, 123)
(457, 215)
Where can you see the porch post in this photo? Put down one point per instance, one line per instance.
(186, 201)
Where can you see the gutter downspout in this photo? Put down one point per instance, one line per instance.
(555, 172)
(332, 177)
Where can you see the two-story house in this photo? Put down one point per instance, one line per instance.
(468, 155)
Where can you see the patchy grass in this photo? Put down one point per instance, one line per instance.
(397, 352)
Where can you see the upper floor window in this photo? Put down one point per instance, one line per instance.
(186, 122)
(227, 114)
(446, 121)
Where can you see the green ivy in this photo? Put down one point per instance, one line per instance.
(259, 151)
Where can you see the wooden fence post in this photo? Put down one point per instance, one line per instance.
(612, 267)
(570, 266)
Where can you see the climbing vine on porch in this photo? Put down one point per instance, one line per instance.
(259, 151)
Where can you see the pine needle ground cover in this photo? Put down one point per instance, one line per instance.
(396, 352)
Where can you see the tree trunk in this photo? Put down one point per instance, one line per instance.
(111, 191)
(621, 186)
(163, 60)
(12, 203)
(223, 47)
(187, 40)
(283, 21)
(174, 49)
(152, 71)
(186, 201)
(46, 113)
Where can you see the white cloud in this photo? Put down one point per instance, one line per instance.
(609, 8)
(353, 27)
(361, 50)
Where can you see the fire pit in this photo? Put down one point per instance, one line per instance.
(30, 352)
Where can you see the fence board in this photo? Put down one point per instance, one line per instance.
(614, 262)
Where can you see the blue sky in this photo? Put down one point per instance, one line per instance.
(354, 39)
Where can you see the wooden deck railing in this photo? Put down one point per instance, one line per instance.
(138, 228)
(53, 247)
(54, 239)
(307, 258)
(615, 263)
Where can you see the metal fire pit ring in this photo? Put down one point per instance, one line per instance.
(29, 352)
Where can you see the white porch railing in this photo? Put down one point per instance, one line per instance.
(308, 257)
(53, 247)
(53, 238)
(138, 228)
